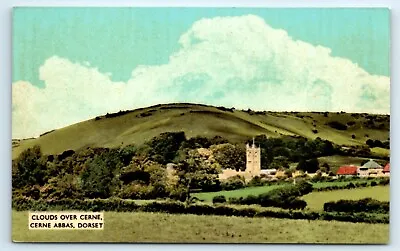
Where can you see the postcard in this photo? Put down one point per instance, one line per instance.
(201, 125)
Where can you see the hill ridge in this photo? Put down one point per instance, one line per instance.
(138, 125)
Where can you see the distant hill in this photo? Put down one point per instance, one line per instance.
(140, 125)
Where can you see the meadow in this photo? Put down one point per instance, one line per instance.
(168, 228)
(315, 200)
(208, 196)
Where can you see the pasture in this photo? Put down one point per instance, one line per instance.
(168, 228)
(315, 200)
(208, 196)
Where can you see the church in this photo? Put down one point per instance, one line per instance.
(253, 164)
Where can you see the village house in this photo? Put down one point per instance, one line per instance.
(386, 170)
(370, 169)
(347, 171)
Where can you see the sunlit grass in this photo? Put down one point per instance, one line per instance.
(158, 227)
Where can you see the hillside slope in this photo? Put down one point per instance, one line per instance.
(140, 125)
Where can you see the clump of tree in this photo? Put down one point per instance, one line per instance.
(354, 206)
(288, 149)
(230, 156)
(29, 168)
(219, 199)
(98, 178)
(197, 172)
(233, 183)
(337, 125)
(163, 148)
(225, 109)
(378, 143)
(310, 166)
(286, 197)
(116, 114)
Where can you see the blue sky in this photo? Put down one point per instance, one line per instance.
(119, 46)
(116, 40)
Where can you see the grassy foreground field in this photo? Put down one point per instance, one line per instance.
(157, 227)
(315, 200)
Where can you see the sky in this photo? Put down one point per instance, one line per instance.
(72, 64)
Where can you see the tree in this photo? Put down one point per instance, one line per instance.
(127, 153)
(197, 142)
(230, 156)
(164, 147)
(370, 143)
(310, 166)
(98, 176)
(197, 173)
(325, 167)
(29, 168)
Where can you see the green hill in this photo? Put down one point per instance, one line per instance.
(140, 125)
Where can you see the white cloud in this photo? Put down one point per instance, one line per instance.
(231, 61)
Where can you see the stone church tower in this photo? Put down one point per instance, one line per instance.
(253, 159)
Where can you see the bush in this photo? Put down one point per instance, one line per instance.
(337, 125)
(384, 182)
(354, 206)
(256, 181)
(285, 197)
(219, 199)
(233, 184)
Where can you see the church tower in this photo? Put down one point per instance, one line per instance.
(253, 159)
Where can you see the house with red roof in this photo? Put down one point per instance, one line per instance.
(347, 170)
(386, 170)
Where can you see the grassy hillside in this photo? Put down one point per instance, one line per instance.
(137, 126)
(158, 227)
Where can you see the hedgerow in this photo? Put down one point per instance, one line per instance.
(364, 205)
(175, 207)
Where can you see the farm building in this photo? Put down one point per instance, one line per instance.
(347, 170)
(371, 168)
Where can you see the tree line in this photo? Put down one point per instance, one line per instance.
(140, 171)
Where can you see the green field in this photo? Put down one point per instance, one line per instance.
(140, 125)
(315, 200)
(263, 189)
(237, 193)
(380, 151)
(157, 227)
